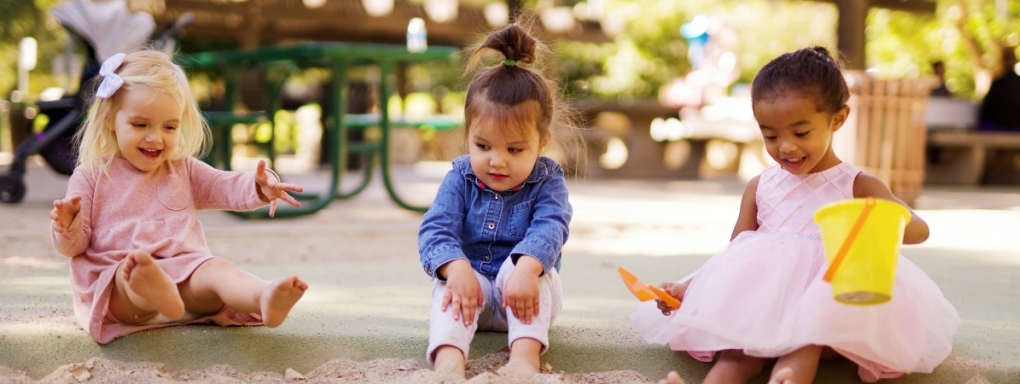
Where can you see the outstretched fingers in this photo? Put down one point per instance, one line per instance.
(274, 189)
(281, 190)
(64, 211)
(260, 168)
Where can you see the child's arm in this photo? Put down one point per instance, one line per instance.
(439, 246)
(866, 185)
(540, 249)
(549, 226)
(70, 226)
(439, 240)
(747, 220)
(213, 188)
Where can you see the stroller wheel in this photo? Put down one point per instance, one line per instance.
(12, 189)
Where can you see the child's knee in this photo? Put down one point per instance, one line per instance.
(218, 263)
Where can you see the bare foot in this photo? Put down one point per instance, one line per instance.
(278, 298)
(672, 378)
(782, 376)
(148, 282)
(519, 368)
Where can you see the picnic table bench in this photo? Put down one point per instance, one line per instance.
(648, 149)
(338, 58)
(958, 153)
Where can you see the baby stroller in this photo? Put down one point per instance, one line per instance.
(105, 28)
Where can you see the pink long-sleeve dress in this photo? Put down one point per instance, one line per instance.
(764, 293)
(126, 209)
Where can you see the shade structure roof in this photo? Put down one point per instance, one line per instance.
(262, 22)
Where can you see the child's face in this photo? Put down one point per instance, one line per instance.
(503, 162)
(796, 135)
(147, 127)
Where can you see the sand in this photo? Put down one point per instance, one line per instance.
(482, 370)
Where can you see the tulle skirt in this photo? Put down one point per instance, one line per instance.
(764, 294)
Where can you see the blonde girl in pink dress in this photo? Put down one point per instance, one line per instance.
(138, 254)
(762, 298)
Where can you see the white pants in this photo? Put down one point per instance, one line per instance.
(444, 330)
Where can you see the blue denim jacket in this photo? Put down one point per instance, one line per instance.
(470, 221)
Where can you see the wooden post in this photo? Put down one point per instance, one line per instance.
(850, 34)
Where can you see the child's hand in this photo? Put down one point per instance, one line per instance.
(63, 212)
(521, 291)
(673, 289)
(462, 290)
(271, 188)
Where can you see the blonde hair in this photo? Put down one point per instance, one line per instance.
(142, 69)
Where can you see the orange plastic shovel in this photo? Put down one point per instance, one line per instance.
(645, 292)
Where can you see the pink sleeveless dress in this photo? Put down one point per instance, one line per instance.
(764, 293)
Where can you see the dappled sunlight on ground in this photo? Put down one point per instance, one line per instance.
(34, 262)
(967, 229)
(369, 296)
(56, 324)
(637, 226)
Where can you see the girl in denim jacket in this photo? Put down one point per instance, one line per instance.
(492, 239)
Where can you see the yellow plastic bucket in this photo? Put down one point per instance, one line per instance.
(862, 244)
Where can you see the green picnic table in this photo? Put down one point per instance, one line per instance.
(338, 58)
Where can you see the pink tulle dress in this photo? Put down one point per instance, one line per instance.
(764, 293)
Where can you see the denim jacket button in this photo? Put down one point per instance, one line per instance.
(486, 258)
(492, 225)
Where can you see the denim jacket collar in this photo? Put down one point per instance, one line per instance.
(541, 171)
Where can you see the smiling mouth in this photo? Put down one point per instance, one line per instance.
(794, 161)
(151, 153)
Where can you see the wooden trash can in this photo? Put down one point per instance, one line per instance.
(885, 133)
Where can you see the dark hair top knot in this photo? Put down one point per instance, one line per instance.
(514, 43)
(520, 96)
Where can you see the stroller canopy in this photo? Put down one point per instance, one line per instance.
(109, 26)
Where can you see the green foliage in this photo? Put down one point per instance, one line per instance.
(901, 44)
(904, 44)
(24, 18)
(650, 51)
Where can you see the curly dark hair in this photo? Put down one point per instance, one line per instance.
(812, 72)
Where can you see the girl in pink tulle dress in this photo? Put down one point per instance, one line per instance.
(763, 298)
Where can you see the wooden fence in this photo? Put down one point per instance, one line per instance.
(885, 134)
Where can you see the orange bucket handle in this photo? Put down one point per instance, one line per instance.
(838, 260)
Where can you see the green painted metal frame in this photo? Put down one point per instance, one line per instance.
(338, 57)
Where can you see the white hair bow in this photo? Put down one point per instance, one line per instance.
(111, 81)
